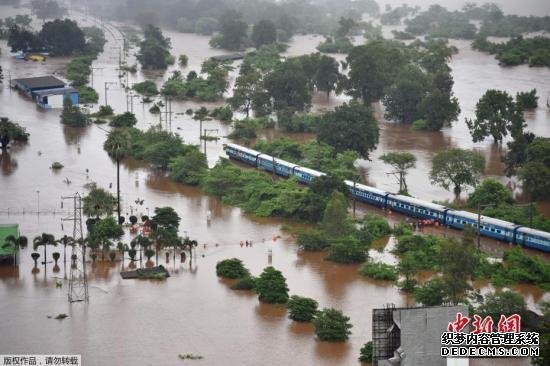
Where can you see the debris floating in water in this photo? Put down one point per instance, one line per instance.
(190, 356)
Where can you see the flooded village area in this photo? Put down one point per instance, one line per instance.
(194, 311)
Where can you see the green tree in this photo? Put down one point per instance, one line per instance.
(373, 67)
(327, 74)
(366, 352)
(349, 127)
(332, 325)
(401, 161)
(167, 218)
(231, 268)
(20, 39)
(154, 49)
(287, 85)
(535, 172)
(347, 250)
(62, 37)
(263, 33)
(527, 100)
(271, 286)
(431, 293)
(404, 97)
(233, 31)
(189, 168)
(496, 112)
(249, 94)
(505, 302)
(457, 168)
(458, 261)
(336, 223)
(147, 88)
(312, 240)
(490, 191)
(118, 146)
(126, 119)
(97, 202)
(72, 115)
(302, 309)
(11, 131)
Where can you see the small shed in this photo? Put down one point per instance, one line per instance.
(46, 91)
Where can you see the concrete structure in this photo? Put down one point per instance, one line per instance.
(412, 336)
(46, 91)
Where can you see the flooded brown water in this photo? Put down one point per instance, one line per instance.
(149, 322)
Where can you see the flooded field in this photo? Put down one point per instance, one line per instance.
(150, 323)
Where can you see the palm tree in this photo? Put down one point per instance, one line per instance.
(65, 240)
(190, 244)
(143, 243)
(44, 240)
(16, 243)
(118, 145)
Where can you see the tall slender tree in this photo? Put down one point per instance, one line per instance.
(118, 145)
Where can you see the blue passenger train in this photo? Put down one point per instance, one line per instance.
(490, 227)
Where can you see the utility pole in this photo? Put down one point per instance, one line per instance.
(206, 130)
(92, 75)
(78, 282)
(106, 84)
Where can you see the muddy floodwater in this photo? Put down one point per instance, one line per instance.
(130, 322)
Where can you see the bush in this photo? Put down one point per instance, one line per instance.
(378, 271)
(147, 88)
(72, 115)
(527, 100)
(420, 125)
(247, 283)
(332, 325)
(188, 168)
(347, 250)
(87, 95)
(56, 165)
(104, 111)
(301, 309)
(366, 352)
(312, 240)
(432, 293)
(232, 268)
(224, 113)
(183, 60)
(338, 45)
(126, 119)
(374, 227)
(271, 287)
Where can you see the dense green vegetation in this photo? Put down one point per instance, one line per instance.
(72, 115)
(271, 286)
(527, 100)
(366, 352)
(207, 88)
(232, 268)
(532, 51)
(154, 51)
(437, 21)
(332, 325)
(301, 309)
(379, 271)
(147, 88)
(11, 131)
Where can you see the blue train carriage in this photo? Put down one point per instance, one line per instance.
(490, 227)
(416, 208)
(533, 238)
(242, 153)
(306, 175)
(370, 195)
(282, 168)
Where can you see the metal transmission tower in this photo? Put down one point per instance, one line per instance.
(78, 283)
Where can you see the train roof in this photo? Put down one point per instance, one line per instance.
(277, 160)
(419, 202)
(244, 149)
(486, 219)
(365, 188)
(315, 173)
(530, 231)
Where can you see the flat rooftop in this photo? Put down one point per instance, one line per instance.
(40, 82)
